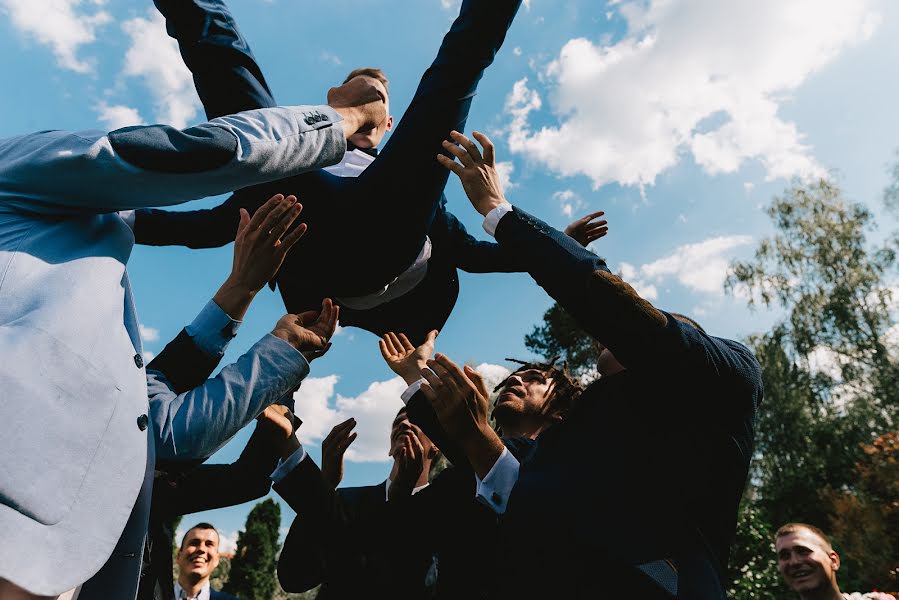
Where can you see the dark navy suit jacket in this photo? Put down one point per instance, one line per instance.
(649, 465)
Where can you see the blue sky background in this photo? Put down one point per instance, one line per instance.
(680, 119)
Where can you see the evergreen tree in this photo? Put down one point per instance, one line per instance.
(253, 567)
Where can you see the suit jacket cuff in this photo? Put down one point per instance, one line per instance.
(411, 390)
(495, 489)
(286, 466)
(492, 219)
(212, 330)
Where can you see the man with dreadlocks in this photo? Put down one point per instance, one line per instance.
(442, 519)
(635, 493)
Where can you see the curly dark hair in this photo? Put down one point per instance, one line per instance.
(566, 389)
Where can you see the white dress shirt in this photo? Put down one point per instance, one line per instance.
(203, 594)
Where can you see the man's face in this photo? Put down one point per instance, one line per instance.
(524, 394)
(805, 562)
(402, 428)
(373, 137)
(199, 555)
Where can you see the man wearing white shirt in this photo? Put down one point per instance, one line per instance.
(197, 558)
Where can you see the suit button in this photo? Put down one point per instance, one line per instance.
(318, 118)
(325, 118)
(142, 422)
(310, 120)
(139, 361)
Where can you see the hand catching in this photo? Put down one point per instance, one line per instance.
(333, 448)
(477, 172)
(309, 332)
(587, 229)
(403, 358)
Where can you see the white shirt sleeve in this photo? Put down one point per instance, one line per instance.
(411, 390)
(286, 466)
(493, 217)
(495, 489)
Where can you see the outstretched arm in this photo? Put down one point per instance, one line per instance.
(603, 304)
(58, 172)
(226, 75)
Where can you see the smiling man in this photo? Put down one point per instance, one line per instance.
(808, 563)
(197, 559)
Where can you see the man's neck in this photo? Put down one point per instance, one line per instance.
(524, 428)
(190, 587)
(830, 592)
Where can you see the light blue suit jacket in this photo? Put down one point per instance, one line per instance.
(77, 434)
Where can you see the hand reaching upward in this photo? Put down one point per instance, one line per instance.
(403, 358)
(587, 229)
(310, 331)
(476, 172)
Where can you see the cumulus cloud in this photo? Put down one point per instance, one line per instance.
(117, 116)
(374, 409)
(63, 25)
(505, 169)
(569, 202)
(700, 267)
(148, 334)
(153, 57)
(704, 77)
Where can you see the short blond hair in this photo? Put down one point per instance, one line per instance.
(373, 72)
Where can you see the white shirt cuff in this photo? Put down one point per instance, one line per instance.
(495, 489)
(286, 466)
(493, 217)
(411, 390)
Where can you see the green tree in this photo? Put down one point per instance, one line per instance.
(253, 567)
(753, 563)
(559, 335)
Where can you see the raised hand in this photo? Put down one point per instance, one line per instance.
(279, 424)
(403, 358)
(460, 401)
(476, 172)
(310, 331)
(333, 448)
(260, 246)
(586, 229)
(410, 460)
(361, 101)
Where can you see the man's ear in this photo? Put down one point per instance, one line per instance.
(389, 122)
(834, 560)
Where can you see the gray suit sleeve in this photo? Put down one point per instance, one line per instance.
(198, 422)
(59, 172)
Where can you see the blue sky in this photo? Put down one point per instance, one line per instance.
(680, 119)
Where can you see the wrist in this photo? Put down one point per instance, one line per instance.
(412, 374)
(234, 297)
(487, 207)
(483, 448)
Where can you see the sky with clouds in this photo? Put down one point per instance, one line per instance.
(680, 119)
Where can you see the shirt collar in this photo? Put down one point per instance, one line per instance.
(414, 490)
(204, 594)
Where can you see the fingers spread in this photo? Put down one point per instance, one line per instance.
(450, 164)
(469, 146)
(459, 152)
(489, 150)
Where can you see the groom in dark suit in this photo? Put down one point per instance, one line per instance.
(382, 243)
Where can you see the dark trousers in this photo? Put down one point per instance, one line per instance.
(363, 231)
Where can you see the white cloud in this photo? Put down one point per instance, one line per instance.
(148, 334)
(330, 57)
(60, 24)
(117, 116)
(374, 410)
(569, 202)
(505, 169)
(153, 56)
(705, 77)
(148, 356)
(701, 267)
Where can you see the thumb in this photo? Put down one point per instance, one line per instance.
(432, 335)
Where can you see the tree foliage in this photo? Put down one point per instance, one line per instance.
(830, 369)
(252, 575)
